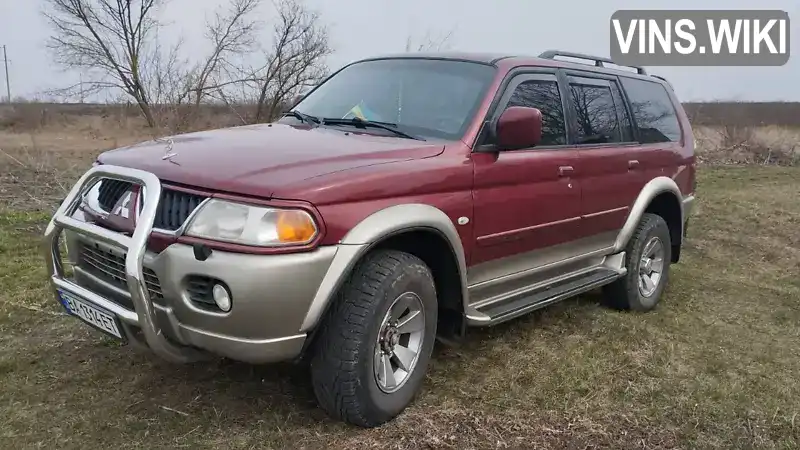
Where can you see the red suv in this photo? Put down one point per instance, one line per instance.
(404, 199)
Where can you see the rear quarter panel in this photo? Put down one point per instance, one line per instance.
(684, 171)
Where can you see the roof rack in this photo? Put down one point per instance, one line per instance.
(663, 79)
(598, 60)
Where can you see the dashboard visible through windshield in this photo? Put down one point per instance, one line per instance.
(430, 98)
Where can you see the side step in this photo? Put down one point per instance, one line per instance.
(560, 290)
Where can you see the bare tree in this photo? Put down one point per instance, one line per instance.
(231, 33)
(168, 81)
(296, 58)
(108, 37)
(165, 76)
(117, 42)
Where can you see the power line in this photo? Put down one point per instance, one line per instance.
(8, 83)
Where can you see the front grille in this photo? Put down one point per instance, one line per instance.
(174, 207)
(110, 192)
(110, 267)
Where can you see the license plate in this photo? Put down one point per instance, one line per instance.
(91, 314)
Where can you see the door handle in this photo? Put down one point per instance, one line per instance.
(564, 171)
(633, 164)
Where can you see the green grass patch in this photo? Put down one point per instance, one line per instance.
(715, 366)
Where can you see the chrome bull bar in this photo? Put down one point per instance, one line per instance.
(135, 246)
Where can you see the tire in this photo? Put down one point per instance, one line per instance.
(346, 365)
(626, 293)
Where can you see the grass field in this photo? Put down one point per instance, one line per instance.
(715, 366)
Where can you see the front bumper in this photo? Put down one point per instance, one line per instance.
(271, 294)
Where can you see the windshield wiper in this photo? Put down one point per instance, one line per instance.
(361, 123)
(303, 117)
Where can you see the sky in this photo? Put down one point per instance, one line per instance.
(364, 28)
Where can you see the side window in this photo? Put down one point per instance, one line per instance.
(626, 126)
(596, 114)
(652, 110)
(544, 95)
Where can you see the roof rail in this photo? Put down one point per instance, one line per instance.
(598, 60)
(664, 80)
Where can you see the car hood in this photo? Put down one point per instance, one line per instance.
(257, 160)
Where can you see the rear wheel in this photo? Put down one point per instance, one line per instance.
(648, 257)
(375, 343)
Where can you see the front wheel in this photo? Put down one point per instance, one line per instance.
(647, 258)
(375, 343)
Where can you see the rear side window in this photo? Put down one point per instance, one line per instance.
(627, 126)
(543, 95)
(596, 114)
(653, 111)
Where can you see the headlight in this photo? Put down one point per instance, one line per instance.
(221, 220)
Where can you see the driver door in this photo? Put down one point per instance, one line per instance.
(526, 200)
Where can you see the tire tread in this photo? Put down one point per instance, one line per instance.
(345, 328)
(623, 294)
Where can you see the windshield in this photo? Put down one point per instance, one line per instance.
(423, 97)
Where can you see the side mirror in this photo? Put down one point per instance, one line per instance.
(518, 127)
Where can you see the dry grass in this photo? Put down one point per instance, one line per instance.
(725, 132)
(714, 367)
(99, 118)
(38, 168)
(744, 113)
(736, 144)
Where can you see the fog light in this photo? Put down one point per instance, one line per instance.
(222, 297)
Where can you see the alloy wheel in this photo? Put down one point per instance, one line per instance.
(399, 342)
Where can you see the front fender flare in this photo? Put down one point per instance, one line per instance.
(375, 228)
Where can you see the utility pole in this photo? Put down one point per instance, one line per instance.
(8, 83)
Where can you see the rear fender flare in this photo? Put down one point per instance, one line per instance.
(651, 190)
(371, 231)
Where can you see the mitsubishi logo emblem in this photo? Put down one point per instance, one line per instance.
(124, 214)
(123, 207)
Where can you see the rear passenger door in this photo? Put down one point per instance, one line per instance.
(611, 175)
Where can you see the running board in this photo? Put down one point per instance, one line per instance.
(524, 303)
